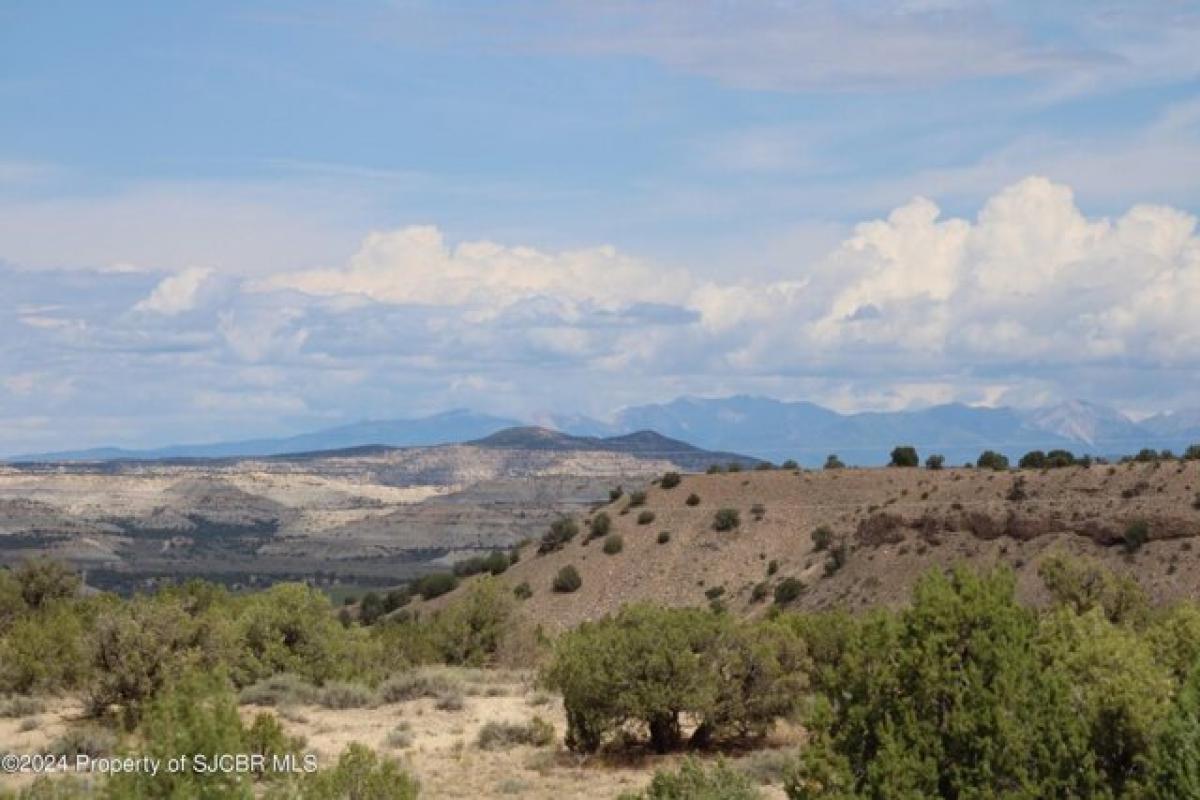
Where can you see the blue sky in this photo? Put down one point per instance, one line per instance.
(227, 219)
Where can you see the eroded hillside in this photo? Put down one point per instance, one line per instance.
(893, 524)
(377, 516)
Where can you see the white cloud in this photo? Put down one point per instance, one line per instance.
(175, 294)
(414, 265)
(1031, 278)
(1028, 300)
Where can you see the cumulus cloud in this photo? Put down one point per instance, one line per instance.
(414, 265)
(1031, 278)
(176, 293)
(1028, 300)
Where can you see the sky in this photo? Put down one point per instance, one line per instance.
(233, 219)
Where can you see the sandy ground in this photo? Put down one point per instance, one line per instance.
(439, 746)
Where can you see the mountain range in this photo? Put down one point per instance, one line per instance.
(757, 426)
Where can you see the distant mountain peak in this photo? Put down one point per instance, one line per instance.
(1084, 421)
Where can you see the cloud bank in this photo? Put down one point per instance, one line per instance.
(1028, 300)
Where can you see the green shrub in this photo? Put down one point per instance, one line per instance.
(561, 531)
(726, 519)
(693, 782)
(764, 466)
(45, 650)
(93, 741)
(905, 456)
(523, 591)
(471, 630)
(371, 607)
(788, 590)
(664, 537)
(434, 585)
(506, 735)
(833, 462)
(990, 459)
(714, 469)
(637, 499)
(651, 666)
(790, 465)
(567, 580)
(197, 715)
(1082, 585)
(417, 684)
(339, 695)
(974, 694)
(43, 581)
(1137, 533)
(20, 706)
(1057, 459)
(615, 493)
(693, 499)
(839, 554)
(1192, 453)
(772, 567)
(760, 592)
(279, 690)
(291, 628)
(645, 517)
(733, 466)
(670, 480)
(450, 701)
(935, 461)
(600, 526)
(142, 645)
(613, 544)
(1034, 459)
(360, 774)
(822, 538)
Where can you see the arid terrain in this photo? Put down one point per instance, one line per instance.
(437, 741)
(895, 524)
(369, 516)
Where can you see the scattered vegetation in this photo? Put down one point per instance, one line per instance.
(613, 544)
(822, 538)
(506, 735)
(567, 580)
(561, 531)
(692, 781)
(833, 462)
(1137, 533)
(935, 461)
(652, 666)
(990, 459)
(645, 517)
(670, 480)
(693, 499)
(905, 456)
(664, 537)
(726, 519)
(788, 590)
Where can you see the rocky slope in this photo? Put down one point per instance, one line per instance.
(895, 523)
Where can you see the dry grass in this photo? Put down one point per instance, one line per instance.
(934, 519)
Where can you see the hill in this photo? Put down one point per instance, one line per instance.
(368, 514)
(641, 444)
(895, 524)
(760, 427)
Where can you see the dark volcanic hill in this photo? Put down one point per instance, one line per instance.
(642, 444)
